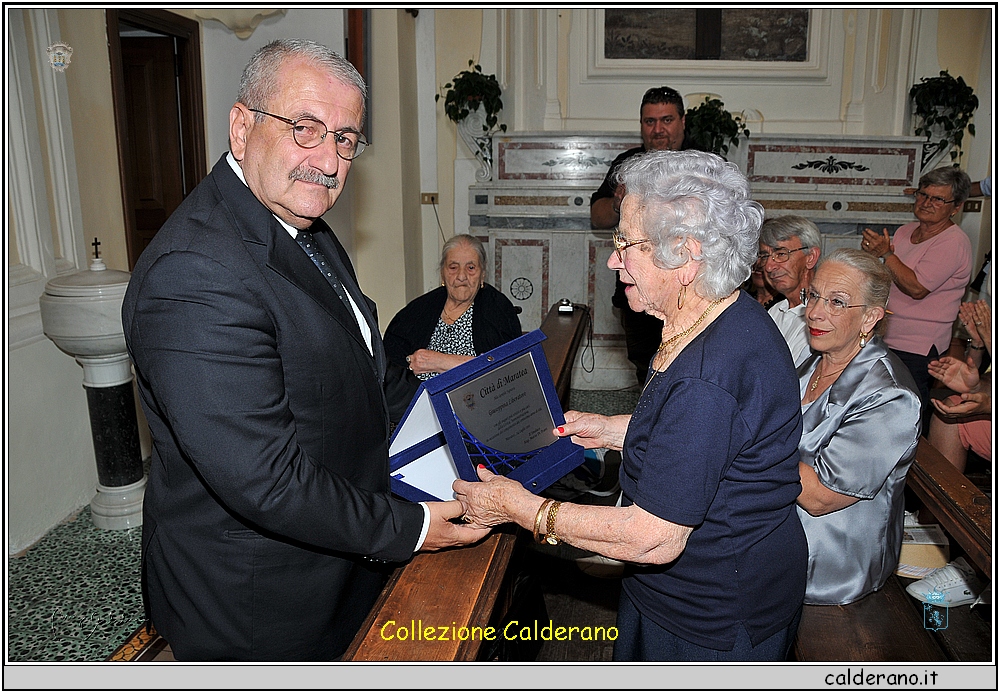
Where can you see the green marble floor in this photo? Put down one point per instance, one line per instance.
(75, 595)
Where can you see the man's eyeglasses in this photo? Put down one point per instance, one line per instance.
(622, 244)
(310, 133)
(834, 306)
(933, 199)
(780, 255)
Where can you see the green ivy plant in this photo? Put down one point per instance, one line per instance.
(469, 90)
(944, 106)
(711, 128)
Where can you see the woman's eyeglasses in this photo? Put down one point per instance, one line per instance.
(622, 244)
(933, 199)
(834, 306)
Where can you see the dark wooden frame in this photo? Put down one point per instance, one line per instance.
(359, 54)
(192, 102)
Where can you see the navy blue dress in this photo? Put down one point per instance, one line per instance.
(713, 444)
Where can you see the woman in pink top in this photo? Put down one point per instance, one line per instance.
(931, 262)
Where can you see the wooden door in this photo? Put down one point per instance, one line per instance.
(153, 131)
(159, 116)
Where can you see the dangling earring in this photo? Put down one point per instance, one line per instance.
(864, 339)
(680, 296)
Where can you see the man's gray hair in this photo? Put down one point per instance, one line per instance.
(463, 239)
(701, 196)
(778, 229)
(258, 83)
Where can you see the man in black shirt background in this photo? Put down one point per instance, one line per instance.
(661, 125)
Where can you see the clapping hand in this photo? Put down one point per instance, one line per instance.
(984, 324)
(956, 375)
(876, 244)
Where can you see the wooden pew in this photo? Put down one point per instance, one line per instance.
(464, 588)
(963, 511)
(563, 332)
(884, 626)
(887, 626)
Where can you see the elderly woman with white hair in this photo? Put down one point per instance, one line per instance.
(714, 550)
(447, 326)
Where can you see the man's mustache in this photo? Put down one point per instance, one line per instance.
(310, 175)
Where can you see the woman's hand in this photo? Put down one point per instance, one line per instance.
(427, 361)
(875, 244)
(967, 314)
(495, 500)
(964, 405)
(956, 375)
(594, 430)
(984, 323)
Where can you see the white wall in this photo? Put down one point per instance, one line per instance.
(52, 469)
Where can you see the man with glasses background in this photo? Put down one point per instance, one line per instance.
(789, 251)
(268, 523)
(661, 126)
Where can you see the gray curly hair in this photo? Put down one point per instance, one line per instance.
(704, 197)
(258, 82)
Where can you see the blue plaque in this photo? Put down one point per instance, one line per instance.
(497, 410)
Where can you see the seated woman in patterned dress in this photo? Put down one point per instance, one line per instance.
(450, 325)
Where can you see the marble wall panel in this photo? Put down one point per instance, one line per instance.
(562, 156)
(521, 265)
(567, 267)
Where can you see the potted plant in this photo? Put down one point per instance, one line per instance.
(711, 128)
(943, 106)
(472, 101)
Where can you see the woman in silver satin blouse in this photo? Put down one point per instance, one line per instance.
(860, 423)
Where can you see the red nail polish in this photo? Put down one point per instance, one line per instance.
(562, 430)
(482, 466)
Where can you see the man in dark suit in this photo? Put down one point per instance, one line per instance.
(268, 519)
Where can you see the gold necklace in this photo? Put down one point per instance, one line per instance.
(449, 319)
(685, 333)
(815, 383)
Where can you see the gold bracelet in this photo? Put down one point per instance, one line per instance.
(537, 534)
(550, 527)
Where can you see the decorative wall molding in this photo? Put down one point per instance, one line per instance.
(34, 235)
(241, 22)
(815, 69)
(71, 254)
(27, 194)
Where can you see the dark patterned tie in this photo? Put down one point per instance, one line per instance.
(308, 243)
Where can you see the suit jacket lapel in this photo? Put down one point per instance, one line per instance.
(258, 226)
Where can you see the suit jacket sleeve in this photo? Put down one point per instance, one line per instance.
(206, 352)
